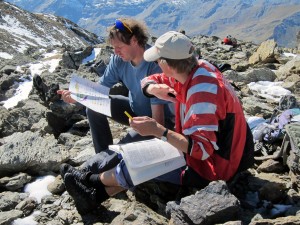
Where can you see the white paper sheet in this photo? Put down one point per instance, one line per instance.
(146, 160)
(90, 94)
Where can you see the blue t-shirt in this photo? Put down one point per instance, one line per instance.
(131, 76)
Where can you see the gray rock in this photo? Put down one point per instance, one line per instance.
(15, 182)
(27, 206)
(8, 200)
(291, 67)
(211, 205)
(57, 186)
(72, 60)
(294, 220)
(251, 75)
(21, 118)
(271, 166)
(29, 151)
(265, 53)
(8, 69)
(254, 106)
(6, 218)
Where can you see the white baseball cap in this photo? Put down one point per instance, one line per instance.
(171, 45)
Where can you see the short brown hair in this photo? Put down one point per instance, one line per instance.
(139, 30)
(183, 65)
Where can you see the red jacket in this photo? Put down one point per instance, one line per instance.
(210, 114)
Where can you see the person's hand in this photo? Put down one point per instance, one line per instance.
(162, 91)
(66, 96)
(145, 126)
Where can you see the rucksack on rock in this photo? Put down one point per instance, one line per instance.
(287, 102)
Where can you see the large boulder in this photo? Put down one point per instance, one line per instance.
(265, 53)
(211, 205)
(291, 67)
(30, 152)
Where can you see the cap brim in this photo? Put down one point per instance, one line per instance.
(151, 54)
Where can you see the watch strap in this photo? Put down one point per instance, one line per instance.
(164, 136)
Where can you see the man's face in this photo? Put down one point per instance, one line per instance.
(123, 50)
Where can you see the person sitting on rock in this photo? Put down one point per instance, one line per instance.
(211, 129)
(129, 39)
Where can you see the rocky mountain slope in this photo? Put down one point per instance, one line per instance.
(255, 20)
(21, 30)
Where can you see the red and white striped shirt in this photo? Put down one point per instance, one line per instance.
(210, 114)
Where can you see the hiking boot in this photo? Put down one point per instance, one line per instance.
(51, 95)
(40, 86)
(45, 92)
(81, 176)
(84, 197)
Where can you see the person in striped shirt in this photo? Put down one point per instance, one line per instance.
(210, 124)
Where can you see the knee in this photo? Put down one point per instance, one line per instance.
(93, 164)
(122, 176)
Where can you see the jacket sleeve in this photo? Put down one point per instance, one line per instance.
(155, 79)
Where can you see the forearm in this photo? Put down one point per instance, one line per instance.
(179, 141)
(147, 126)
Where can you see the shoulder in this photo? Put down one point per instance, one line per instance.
(116, 63)
(115, 59)
(209, 67)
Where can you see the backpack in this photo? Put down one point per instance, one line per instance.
(287, 102)
(229, 40)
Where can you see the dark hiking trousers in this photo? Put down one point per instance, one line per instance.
(102, 137)
(101, 132)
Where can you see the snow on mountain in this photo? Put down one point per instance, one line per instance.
(251, 20)
(21, 30)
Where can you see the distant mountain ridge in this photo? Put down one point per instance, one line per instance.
(251, 20)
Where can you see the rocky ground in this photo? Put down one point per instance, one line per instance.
(38, 135)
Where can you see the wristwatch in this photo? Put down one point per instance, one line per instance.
(164, 136)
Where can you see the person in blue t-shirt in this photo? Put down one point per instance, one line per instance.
(129, 39)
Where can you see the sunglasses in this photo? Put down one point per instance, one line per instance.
(122, 26)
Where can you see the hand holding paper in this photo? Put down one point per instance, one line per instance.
(66, 96)
(90, 94)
